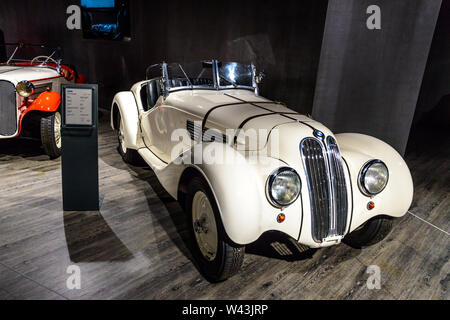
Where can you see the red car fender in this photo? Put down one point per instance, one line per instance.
(47, 101)
(80, 79)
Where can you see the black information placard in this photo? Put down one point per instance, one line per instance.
(79, 133)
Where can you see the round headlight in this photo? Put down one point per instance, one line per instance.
(25, 88)
(283, 187)
(374, 177)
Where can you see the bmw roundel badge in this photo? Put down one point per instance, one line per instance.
(318, 134)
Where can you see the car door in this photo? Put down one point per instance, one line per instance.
(164, 130)
(155, 125)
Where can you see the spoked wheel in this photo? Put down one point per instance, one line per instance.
(51, 134)
(128, 155)
(217, 257)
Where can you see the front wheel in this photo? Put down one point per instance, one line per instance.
(217, 257)
(51, 134)
(371, 232)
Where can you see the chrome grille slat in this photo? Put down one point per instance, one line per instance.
(323, 188)
(339, 185)
(314, 161)
(8, 109)
(327, 187)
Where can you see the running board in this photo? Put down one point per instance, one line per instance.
(153, 161)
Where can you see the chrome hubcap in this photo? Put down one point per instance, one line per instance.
(57, 129)
(204, 224)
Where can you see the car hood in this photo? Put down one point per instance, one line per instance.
(15, 74)
(245, 118)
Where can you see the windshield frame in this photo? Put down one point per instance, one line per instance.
(11, 60)
(215, 75)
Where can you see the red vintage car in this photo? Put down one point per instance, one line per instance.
(30, 82)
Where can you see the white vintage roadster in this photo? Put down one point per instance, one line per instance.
(242, 165)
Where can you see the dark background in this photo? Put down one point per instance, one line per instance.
(433, 105)
(283, 37)
(318, 55)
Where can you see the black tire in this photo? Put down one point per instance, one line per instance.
(229, 257)
(373, 231)
(128, 155)
(48, 124)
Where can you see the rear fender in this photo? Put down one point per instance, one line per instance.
(81, 78)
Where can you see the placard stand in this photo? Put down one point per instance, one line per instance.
(79, 134)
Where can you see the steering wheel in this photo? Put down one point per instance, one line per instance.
(44, 58)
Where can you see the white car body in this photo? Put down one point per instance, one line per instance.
(240, 188)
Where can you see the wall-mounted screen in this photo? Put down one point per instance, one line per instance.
(106, 19)
(97, 3)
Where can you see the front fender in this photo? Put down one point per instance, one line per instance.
(47, 101)
(395, 199)
(124, 104)
(238, 184)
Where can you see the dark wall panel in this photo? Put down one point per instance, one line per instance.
(433, 105)
(283, 37)
(369, 80)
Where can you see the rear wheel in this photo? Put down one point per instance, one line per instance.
(51, 134)
(371, 232)
(128, 155)
(217, 257)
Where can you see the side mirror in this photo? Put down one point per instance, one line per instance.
(260, 77)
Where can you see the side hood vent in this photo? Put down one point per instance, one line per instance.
(209, 135)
